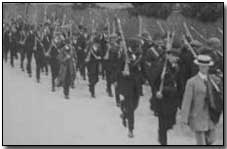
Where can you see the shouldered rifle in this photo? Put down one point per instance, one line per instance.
(168, 47)
(108, 39)
(188, 31)
(160, 26)
(189, 47)
(90, 51)
(199, 34)
(125, 50)
(140, 25)
(220, 30)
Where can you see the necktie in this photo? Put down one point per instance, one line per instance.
(209, 95)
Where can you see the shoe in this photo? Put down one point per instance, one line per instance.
(53, 89)
(110, 94)
(93, 95)
(66, 97)
(30, 75)
(118, 104)
(130, 134)
(123, 120)
(38, 81)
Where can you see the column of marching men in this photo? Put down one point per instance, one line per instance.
(126, 63)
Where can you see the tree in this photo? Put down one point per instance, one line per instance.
(157, 10)
(205, 12)
(80, 6)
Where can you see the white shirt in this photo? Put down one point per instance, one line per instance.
(203, 76)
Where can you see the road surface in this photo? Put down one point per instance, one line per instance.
(33, 115)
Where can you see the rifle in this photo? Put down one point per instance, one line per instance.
(45, 13)
(189, 47)
(87, 59)
(64, 19)
(220, 30)
(199, 34)
(114, 28)
(160, 26)
(168, 47)
(140, 25)
(108, 38)
(187, 31)
(126, 67)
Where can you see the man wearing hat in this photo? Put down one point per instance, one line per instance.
(92, 60)
(54, 63)
(198, 98)
(38, 54)
(30, 41)
(80, 48)
(46, 42)
(166, 100)
(110, 63)
(13, 44)
(66, 71)
(6, 41)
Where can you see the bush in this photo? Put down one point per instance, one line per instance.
(81, 6)
(205, 12)
(156, 10)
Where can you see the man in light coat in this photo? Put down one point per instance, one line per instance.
(196, 102)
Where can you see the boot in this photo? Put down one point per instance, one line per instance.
(123, 119)
(130, 134)
(66, 96)
(53, 89)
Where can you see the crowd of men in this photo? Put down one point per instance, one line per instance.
(126, 63)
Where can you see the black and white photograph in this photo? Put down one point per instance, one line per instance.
(120, 73)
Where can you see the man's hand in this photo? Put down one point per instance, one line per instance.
(125, 73)
(34, 48)
(159, 95)
(98, 58)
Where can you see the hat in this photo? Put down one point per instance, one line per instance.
(80, 27)
(203, 60)
(173, 51)
(66, 48)
(214, 41)
(196, 43)
(146, 36)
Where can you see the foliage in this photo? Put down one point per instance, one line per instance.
(205, 12)
(157, 10)
(81, 6)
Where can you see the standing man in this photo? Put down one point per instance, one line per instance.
(197, 101)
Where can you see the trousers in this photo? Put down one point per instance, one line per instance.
(205, 137)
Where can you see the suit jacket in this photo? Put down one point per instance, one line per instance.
(195, 110)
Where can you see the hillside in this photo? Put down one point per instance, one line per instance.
(130, 23)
